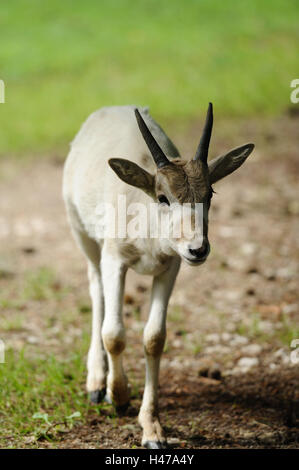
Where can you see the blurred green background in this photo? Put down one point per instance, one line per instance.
(62, 60)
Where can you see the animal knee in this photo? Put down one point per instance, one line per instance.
(114, 341)
(154, 342)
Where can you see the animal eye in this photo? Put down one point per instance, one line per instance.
(163, 199)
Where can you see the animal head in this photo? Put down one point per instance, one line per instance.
(178, 182)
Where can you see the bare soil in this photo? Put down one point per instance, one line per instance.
(227, 379)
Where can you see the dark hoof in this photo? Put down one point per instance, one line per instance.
(155, 445)
(120, 410)
(97, 396)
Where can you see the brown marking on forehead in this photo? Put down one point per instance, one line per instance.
(187, 181)
(145, 161)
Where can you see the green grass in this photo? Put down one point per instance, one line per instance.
(175, 314)
(288, 330)
(41, 398)
(42, 393)
(41, 285)
(62, 60)
(12, 323)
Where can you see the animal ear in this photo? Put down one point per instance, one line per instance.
(223, 165)
(131, 173)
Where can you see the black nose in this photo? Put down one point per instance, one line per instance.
(201, 252)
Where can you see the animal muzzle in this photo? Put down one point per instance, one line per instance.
(198, 254)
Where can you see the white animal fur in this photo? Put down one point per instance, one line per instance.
(88, 181)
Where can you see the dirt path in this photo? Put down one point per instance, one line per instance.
(226, 375)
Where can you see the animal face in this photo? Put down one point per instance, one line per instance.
(179, 184)
(183, 190)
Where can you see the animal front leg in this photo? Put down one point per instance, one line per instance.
(154, 339)
(113, 332)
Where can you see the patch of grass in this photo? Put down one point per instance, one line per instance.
(254, 327)
(175, 315)
(12, 323)
(136, 312)
(40, 398)
(62, 60)
(288, 332)
(84, 308)
(41, 285)
(284, 334)
(69, 318)
(242, 329)
(251, 329)
(196, 348)
(9, 303)
(134, 389)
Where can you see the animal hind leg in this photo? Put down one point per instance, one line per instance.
(97, 360)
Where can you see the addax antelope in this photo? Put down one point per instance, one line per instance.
(122, 151)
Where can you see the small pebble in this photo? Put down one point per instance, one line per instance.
(238, 340)
(268, 437)
(217, 349)
(213, 338)
(32, 339)
(248, 248)
(247, 363)
(173, 440)
(266, 326)
(226, 336)
(252, 349)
